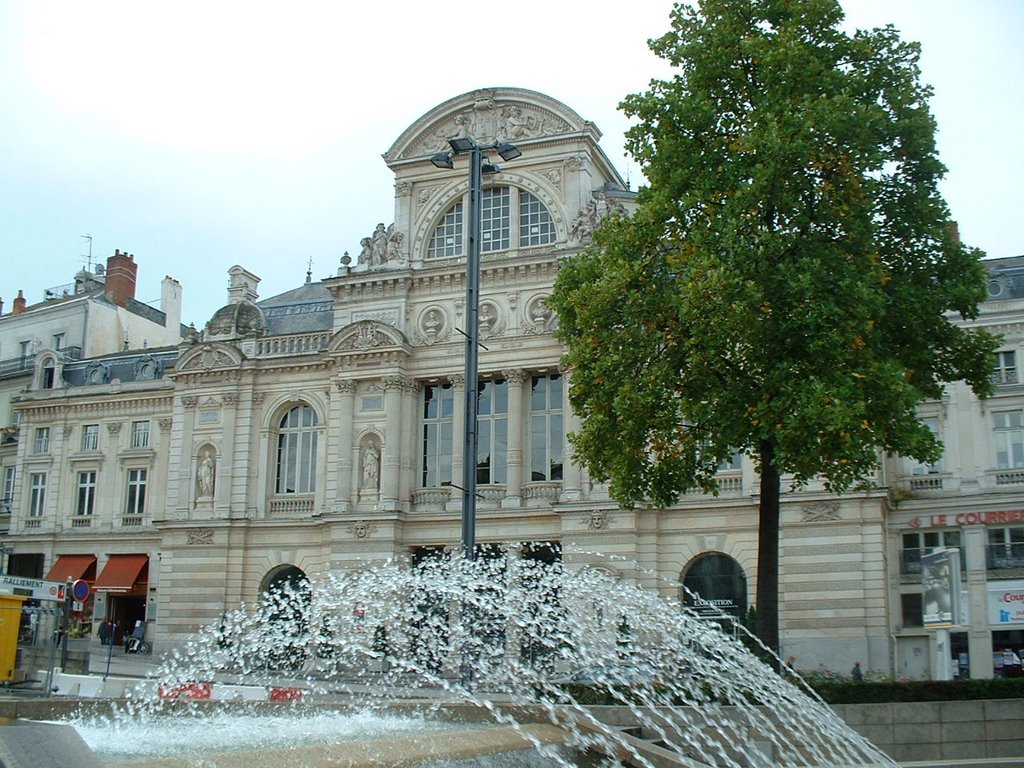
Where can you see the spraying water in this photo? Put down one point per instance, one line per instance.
(508, 632)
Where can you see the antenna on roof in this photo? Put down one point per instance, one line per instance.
(309, 271)
(88, 257)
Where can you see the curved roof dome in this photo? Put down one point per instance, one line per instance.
(238, 320)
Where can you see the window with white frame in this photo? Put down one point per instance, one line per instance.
(1008, 437)
(135, 502)
(932, 422)
(8, 498)
(546, 428)
(1005, 369)
(140, 434)
(41, 444)
(510, 218)
(296, 451)
(37, 494)
(438, 410)
(86, 493)
(492, 432)
(91, 437)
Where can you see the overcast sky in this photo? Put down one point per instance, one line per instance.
(199, 135)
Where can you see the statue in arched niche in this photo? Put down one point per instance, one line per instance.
(206, 475)
(371, 468)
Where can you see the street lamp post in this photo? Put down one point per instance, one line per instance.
(478, 166)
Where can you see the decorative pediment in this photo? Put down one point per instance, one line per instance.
(491, 114)
(367, 336)
(206, 357)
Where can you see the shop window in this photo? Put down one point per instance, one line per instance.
(296, 451)
(438, 410)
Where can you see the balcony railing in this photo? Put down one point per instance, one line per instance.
(299, 344)
(1004, 557)
(292, 507)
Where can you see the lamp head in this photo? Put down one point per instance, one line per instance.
(461, 144)
(489, 169)
(508, 151)
(442, 160)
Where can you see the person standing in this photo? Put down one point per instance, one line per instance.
(856, 673)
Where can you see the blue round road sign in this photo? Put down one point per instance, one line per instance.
(80, 590)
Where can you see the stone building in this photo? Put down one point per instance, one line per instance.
(320, 430)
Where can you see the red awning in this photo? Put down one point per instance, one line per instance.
(122, 573)
(73, 567)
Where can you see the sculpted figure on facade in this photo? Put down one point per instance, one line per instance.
(205, 475)
(371, 468)
(382, 247)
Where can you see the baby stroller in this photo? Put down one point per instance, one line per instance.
(134, 642)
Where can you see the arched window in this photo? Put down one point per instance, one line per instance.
(510, 218)
(296, 451)
(716, 583)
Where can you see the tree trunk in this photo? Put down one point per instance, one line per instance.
(767, 623)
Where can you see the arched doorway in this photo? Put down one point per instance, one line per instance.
(285, 597)
(715, 584)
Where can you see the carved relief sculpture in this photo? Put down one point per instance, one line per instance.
(384, 246)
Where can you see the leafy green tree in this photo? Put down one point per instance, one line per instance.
(784, 287)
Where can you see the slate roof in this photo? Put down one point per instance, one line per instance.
(305, 309)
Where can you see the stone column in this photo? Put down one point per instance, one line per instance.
(572, 479)
(342, 475)
(458, 428)
(391, 453)
(410, 427)
(517, 429)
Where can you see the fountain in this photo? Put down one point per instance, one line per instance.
(618, 669)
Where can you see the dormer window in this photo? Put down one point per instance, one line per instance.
(510, 219)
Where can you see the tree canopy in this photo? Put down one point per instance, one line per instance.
(785, 285)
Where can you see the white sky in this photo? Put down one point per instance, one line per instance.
(199, 135)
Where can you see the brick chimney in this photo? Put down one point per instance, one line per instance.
(121, 273)
(19, 303)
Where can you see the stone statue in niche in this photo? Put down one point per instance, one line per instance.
(371, 468)
(206, 474)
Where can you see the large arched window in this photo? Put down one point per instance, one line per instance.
(296, 451)
(510, 218)
(714, 584)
